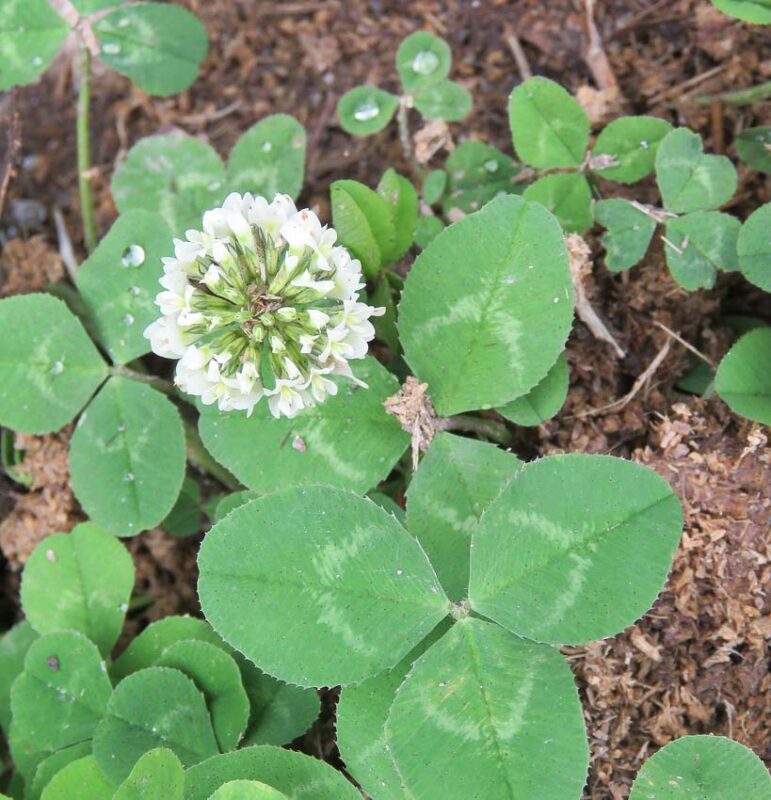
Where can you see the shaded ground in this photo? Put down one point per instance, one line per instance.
(697, 662)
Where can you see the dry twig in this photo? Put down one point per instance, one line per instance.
(523, 65)
(13, 147)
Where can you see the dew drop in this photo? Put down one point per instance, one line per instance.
(134, 291)
(400, 572)
(133, 256)
(123, 608)
(644, 144)
(21, 29)
(128, 477)
(214, 185)
(556, 300)
(266, 147)
(124, 22)
(57, 368)
(37, 61)
(531, 266)
(111, 48)
(509, 279)
(51, 555)
(425, 62)
(369, 109)
(128, 319)
(121, 428)
(491, 165)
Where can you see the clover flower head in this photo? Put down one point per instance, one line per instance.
(261, 303)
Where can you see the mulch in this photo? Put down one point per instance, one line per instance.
(697, 663)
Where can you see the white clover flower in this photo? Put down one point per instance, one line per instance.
(261, 303)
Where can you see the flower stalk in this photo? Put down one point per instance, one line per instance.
(84, 150)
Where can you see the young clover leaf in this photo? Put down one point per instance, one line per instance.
(707, 767)
(754, 248)
(688, 178)
(157, 46)
(699, 244)
(483, 338)
(295, 774)
(400, 194)
(628, 235)
(51, 766)
(366, 110)
(548, 126)
(14, 645)
(350, 441)
(446, 100)
(543, 401)
(61, 695)
(157, 774)
(82, 779)
(79, 581)
(426, 230)
(551, 555)
(743, 378)
(155, 707)
(756, 12)
(753, 146)
(630, 143)
(434, 185)
(422, 60)
(31, 33)
(486, 710)
(119, 281)
(456, 480)
(247, 790)
(329, 575)
(49, 368)
(127, 457)
(185, 519)
(567, 195)
(477, 172)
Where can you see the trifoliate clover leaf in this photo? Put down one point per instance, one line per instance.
(446, 100)
(422, 60)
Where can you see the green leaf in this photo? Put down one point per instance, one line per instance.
(159, 47)
(744, 376)
(366, 110)
(400, 194)
(567, 195)
(280, 712)
(426, 230)
(482, 338)
(146, 648)
(422, 60)
(269, 158)
(82, 779)
(14, 645)
(231, 501)
(364, 222)
(628, 235)
(757, 13)
(173, 176)
(79, 581)
(457, 479)
(700, 244)
(388, 504)
(446, 100)
(543, 401)
(155, 707)
(561, 573)
(218, 678)
(548, 126)
(754, 248)
(119, 282)
(49, 368)
(632, 143)
(31, 33)
(55, 763)
(185, 518)
(300, 777)
(703, 767)
(12, 459)
(477, 173)
(247, 790)
(689, 179)
(434, 185)
(348, 441)
(127, 457)
(362, 712)
(157, 774)
(753, 146)
(87, 7)
(62, 694)
(487, 711)
(336, 580)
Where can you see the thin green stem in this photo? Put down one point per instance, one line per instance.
(121, 371)
(739, 97)
(84, 150)
(200, 457)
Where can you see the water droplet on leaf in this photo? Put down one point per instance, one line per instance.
(111, 48)
(267, 147)
(128, 477)
(491, 165)
(128, 319)
(37, 61)
(367, 110)
(133, 256)
(57, 368)
(425, 62)
(644, 144)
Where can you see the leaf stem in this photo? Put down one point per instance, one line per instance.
(121, 371)
(84, 150)
(484, 426)
(199, 457)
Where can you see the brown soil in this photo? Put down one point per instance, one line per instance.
(696, 663)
